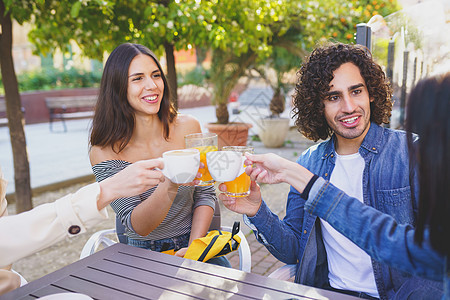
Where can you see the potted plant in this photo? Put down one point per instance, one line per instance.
(241, 35)
(272, 130)
(226, 69)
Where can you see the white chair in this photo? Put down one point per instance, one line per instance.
(284, 273)
(100, 238)
(23, 281)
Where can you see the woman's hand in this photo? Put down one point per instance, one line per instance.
(133, 180)
(181, 252)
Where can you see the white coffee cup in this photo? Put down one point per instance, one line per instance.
(225, 165)
(181, 166)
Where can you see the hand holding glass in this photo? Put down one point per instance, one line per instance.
(239, 187)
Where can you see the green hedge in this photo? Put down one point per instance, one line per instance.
(197, 76)
(51, 79)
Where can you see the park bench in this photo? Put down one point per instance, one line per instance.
(70, 107)
(3, 116)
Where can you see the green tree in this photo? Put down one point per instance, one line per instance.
(243, 34)
(99, 26)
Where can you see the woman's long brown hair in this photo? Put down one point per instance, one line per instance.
(114, 119)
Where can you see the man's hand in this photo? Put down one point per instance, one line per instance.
(242, 205)
(271, 168)
(266, 168)
(133, 180)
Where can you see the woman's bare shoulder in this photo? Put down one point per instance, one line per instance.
(99, 154)
(188, 124)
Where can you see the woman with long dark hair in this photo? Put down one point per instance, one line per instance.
(134, 120)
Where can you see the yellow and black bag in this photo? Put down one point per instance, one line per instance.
(215, 243)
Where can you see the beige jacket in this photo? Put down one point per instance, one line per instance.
(8, 280)
(29, 232)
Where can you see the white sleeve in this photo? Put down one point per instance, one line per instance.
(29, 232)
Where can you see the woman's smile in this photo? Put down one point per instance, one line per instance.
(150, 98)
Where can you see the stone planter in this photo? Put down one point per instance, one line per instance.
(231, 134)
(273, 131)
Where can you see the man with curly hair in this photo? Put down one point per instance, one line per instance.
(342, 96)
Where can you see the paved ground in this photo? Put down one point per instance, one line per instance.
(67, 153)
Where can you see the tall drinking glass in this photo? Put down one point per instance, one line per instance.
(239, 187)
(204, 142)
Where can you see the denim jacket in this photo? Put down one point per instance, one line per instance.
(297, 239)
(392, 243)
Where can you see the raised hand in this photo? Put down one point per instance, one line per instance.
(266, 168)
(242, 205)
(271, 168)
(133, 180)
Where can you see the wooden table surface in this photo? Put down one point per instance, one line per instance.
(126, 272)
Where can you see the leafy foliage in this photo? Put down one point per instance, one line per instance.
(236, 26)
(51, 79)
(233, 29)
(198, 76)
(244, 34)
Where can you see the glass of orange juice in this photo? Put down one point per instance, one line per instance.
(239, 187)
(204, 142)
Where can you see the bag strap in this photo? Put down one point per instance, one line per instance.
(211, 243)
(235, 229)
(233, 243)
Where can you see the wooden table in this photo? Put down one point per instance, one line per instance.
(126, 272)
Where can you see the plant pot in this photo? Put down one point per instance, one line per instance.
(273, 131)
(231, 134)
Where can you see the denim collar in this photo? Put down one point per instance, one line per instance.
(372, 142)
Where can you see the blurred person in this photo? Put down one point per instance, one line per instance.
(134, 119)
(341, 94)
(29, 232)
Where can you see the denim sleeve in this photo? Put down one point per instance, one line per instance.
(376, 233)
(280, 237)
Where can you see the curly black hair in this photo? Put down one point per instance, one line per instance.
(314, 80)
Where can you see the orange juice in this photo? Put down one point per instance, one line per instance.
(239, 187)
(206, 177)
(204, 142)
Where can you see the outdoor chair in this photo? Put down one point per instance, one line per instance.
(100, 238)
(284, 273)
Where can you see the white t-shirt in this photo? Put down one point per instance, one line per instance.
(350, 268)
